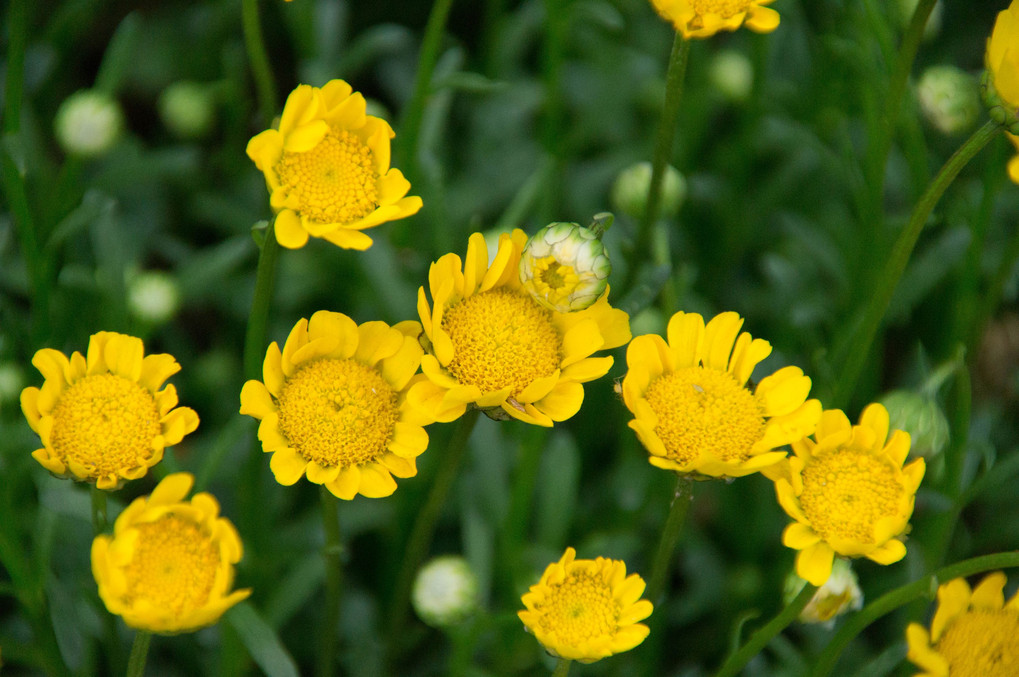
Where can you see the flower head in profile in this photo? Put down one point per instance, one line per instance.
(327, 169)
(169, 566)
(585, 610)
(333, 405)
(692, 408)
(973, 632)
(704, 18)
(107, 417)
(492, 345)
(848, 492)
(1001, 81)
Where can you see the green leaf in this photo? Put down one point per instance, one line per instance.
(120, 55)
(262, 642)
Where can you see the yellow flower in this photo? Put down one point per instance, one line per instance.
(327, 169)
(704, 18)
(1013, 164)
(333, 405)
(103, 418)
(169, 565)
(1002, 61)
(692, 409)
(491, 344)
(972, 633)
(848, 491)
(585, 610)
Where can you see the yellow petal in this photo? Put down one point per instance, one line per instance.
(346, 484)
(348, 239)
(562, 402)
(686, 335)
(288, 230)
(989, 593)
(376, 482)
(719, 338)
(288, 466)
(814, 563)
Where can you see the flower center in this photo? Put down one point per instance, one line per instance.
(845, 493)
(501, 339)
(334, 182)
(338, 412)
(705, 410)
(105, 423)
(174, 565)
(723, 8)
(578, 609)
(982, 644)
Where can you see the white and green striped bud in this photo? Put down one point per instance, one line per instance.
(999, 110)
(88, 123)
(839, 594)
(445, 591)
(565, 267)
(921, 417)
(949, 98)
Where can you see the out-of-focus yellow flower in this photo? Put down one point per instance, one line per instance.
(585, 610)
(848, 492)
(973, 633)
(1002, 61)
(704, 18)
(692, 408)
(169, 566)
(333, 405)
(491, 344)
(327, 169)
(103, 418)
(1013, 164)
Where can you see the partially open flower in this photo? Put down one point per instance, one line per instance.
(565, 267)
(839, 594)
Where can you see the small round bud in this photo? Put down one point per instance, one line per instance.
(565, 267)
(949, 98)
(839, 594)
(921, 417)
(12, 381)
(629, 192)
(732, 74)
(188, 109)
(445, 591)
(153, 297)
(88, 123)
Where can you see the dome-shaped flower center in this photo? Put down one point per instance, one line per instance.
(173, 566)
(106, 423)
(723, 8)
(982, 644)
(846, 491)
(705, 410)
(579, 609)
(334, 182)
(501, 339)
(338, 412)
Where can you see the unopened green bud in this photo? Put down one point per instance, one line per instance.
(839, 594)
(12, 380)
(629, 192)
(732, 75)
(949, 98)
(88, 123)
(153, 297)
(445, 591)
(921, 417)
(188, 109)
(565, 267)
(999, 110)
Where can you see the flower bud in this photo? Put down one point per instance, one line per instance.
(732, 74)
(12, 381)
(999, 109)
(629, 192)
(153, 297)
(445, 591)
(949, 98)
(88, 123)
(188, 109)
(921, 417)
(565, 267)
(839, 594)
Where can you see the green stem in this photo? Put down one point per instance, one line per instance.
(521, 499)
(17, 23)
(410, 122)
(332, 552)
(735, 662)
(139, 654)
(854, 350)
(681, 499)
(901, 596)
(258, 58)
(424, 525)
(663, 153)
(562, 668)
(553, 50)
(99, 521)
(258, 320)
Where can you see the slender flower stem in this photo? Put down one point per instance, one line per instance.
(139, 654)
(332, 552)
(521, 499)
(424, 525)
(855, 349)
(562, 669)
(663, 152)
(98, 510)
(681, 500)
(890, 601)
(258, 320)
(258, 57)
(736, 661)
